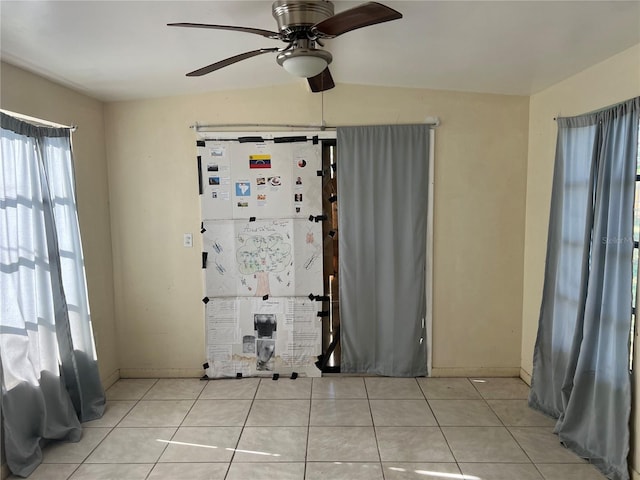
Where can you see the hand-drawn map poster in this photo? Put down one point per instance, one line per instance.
(262, 254)
(280, 258)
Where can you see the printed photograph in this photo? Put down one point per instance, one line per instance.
(265, 325)
(265, 354)
(248, 344)
(275, 181)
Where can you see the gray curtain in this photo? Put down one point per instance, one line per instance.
(581, 358)
(48, 365)
(382, 187)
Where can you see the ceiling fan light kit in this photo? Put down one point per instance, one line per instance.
(304, 62)
(303, 24)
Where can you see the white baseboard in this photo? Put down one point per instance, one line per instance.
(525, 376)
(475, 372)
(161, 372)
(111, 379)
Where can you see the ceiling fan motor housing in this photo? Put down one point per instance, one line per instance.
(298, 15)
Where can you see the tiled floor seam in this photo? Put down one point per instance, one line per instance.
(375, 432)
(306, 450)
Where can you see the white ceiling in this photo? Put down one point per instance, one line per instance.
(119, 50)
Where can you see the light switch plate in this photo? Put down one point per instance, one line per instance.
(188, 240)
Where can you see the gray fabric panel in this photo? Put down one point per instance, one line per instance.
(50, 380)
(382, 186)
(581, 356)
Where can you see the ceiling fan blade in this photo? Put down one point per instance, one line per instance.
(257, 31)
(363, 15)
(321, 82)
(229, 61)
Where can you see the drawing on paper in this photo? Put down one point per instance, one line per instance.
(261, 255)
(265, 257)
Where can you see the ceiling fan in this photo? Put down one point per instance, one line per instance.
(303, 24)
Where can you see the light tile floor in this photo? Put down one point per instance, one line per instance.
(327, 428)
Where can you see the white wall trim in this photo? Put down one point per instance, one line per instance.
(111, 379)
(161, 372)
(429, 256)
(475, 372)
(525, 376)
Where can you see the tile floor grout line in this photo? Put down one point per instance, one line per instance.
(375, 431)
(446, 440)
(244, 424)
(136, 402)
(514, 438)
(174, 433)
(306, 450)
(506, 427)
(111, 430)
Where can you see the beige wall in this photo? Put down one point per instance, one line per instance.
(606, 83)
(480, 177)
(25, 93)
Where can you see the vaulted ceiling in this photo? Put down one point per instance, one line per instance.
(118, 50)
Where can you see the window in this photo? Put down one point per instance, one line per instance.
(46, 344)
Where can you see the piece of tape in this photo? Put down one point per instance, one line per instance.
(200, 187)
(324, 313)
(250, 139)
(200, 143)
(294, 375)
(265, 297)
(315, 139)
(276, 376)
(322, 298)
(319, 173)
(333, 198)
(202, 229)
(204, 259)
(290, 139)
(252, 219)
(205, 300)
(332, 233)
(239, 375)
(312, 297)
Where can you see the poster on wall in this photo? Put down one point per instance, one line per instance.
(262, 253)
(253, 336)
(261, 180)
(279, 257)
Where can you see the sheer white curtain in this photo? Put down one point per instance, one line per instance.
(50, 381)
